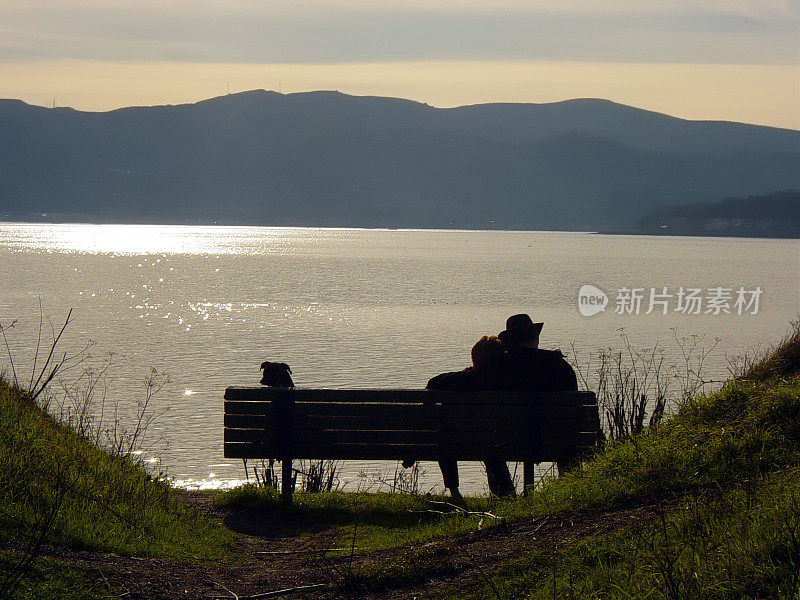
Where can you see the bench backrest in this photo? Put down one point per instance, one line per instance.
(408, 424)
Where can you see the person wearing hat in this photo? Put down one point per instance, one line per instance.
(523, 367)
(528, 368)
(510, 361)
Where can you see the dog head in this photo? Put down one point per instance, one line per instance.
(276, 374)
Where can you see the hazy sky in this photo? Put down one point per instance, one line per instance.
(705, 59)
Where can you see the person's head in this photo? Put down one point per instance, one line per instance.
(485, 351)
(521, 331)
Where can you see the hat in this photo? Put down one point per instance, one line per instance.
(520, 329)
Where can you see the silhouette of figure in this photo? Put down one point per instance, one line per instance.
(528, 368)
(276, 374)
(487, 358)
(510, 361)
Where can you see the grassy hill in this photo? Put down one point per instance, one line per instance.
(704, 505)
(57, 487)
(709, 507)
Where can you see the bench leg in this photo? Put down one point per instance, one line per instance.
(528, 476)
(287, 485)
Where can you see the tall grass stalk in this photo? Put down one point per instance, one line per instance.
(43, 374)
(783, 360)
(636, 388)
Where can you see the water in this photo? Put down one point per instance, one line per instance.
(355, 308)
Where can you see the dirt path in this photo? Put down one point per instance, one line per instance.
(267, 558)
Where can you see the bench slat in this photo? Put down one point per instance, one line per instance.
(427, 452)
(426, 417)
(315, 423)
(450, 438)
(265, 394)
(382, 410)
(405, 411)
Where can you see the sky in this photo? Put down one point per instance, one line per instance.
(699, 59)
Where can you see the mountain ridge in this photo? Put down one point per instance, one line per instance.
(335, 93)
(328, 158)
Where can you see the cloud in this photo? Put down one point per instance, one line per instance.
(733, 59)
(534, 6)
(309, 31)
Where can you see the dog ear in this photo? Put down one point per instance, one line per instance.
(264, 365)
(287, 367)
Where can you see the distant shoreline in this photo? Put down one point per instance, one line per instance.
(699, 235)
(7, 220)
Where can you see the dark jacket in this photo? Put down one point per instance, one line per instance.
(456, 381)
(535, 370)
(522, 369)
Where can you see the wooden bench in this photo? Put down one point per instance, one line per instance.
(299, 423)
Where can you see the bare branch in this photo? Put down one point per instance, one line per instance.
(53, 346)
(9, 354)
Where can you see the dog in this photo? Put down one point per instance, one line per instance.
(276, 374)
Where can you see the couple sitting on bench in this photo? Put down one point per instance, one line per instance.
(510, 361)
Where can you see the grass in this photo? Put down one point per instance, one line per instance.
(722, 478)
(56, 486)
(53, 579)
(743, 543)
(377, 520)
(781, 361)
(106, 501)
(730, 461)
(748, 429)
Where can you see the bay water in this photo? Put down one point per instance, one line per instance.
(349, 308)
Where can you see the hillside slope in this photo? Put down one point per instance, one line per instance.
(703, 506)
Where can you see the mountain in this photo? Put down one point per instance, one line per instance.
(326, 158)
(772, 215)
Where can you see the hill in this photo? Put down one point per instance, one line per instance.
(704, 505)
(325, 158)
(59, 486)
(773, 215)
